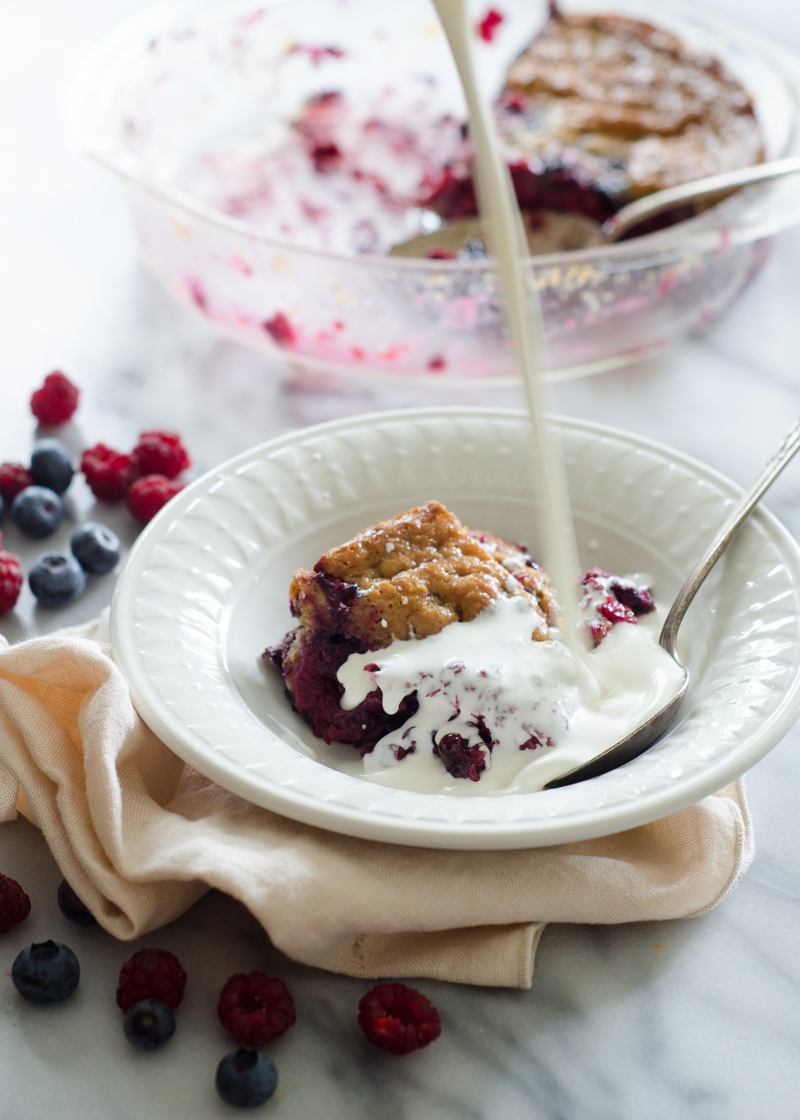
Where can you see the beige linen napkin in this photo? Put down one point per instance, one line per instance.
(140, 837)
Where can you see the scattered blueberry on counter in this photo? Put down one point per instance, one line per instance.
(37, 511)
(96, 548)
(50, 465)
(256, 1007)
(246, 1078)
(146, 479)
(46, 973)
(149, 1024)
(71, 906)
(56, 579)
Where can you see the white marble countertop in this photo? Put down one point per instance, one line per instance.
(695, 1018)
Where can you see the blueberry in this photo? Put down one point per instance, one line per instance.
(50, 465)
(71, 906)
(37, 511)
(56, 579)
(46, 973)
(96, 548)
(246, 1078)
(149, 1024)
(2, 506)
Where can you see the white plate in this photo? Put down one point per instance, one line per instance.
(205, 589)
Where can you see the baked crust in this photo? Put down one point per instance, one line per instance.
(415, 574)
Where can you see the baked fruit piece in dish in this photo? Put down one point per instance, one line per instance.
(602, 109)
(401, 579)
(406, 580)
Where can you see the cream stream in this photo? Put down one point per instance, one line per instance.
(550, 694)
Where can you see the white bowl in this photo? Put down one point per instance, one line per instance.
(205, 590)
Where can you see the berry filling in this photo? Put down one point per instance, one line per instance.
(459, 758)
(315, 691)
(609, 599)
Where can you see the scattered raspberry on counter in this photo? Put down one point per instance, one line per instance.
(256, 1008)
(56, 401)
(109, 473)
(11, 579)
(13, 478)
(160, 453)
(147, 495)
(15, 905)
(151, 974)
(398, 1018)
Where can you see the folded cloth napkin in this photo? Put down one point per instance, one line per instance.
(140, 836)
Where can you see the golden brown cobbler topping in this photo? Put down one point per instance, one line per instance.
(623, 90)
(417, 573)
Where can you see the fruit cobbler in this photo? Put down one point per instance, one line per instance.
(410, 584)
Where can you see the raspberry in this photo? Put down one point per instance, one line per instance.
(598, 628)
(637, 599)
(489, 24)
(108, 472)
(160, 453)
(398, 1018)
(56, 401)
(459, 758)
(11, 578)
(149, 494)
(15, 905)
(13, 478)
(615, 611)
(281, 330)
(256, 1008)
(151, 974)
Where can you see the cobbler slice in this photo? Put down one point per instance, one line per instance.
(599, 110)
(406, 579)
(400, 579)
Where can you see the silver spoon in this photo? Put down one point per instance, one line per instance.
(656, 203)
(646, 735)
(572, 231)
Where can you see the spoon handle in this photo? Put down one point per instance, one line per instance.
(651, 205)
(772, 468)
